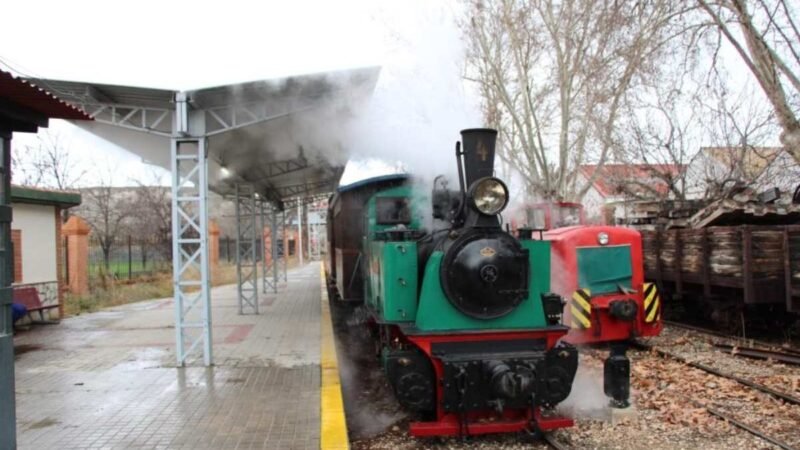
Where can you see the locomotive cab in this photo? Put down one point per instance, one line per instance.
(464, 316)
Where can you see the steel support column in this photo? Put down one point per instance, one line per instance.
(300, 209)
(273, 248)
(190, 249)
(266, 283)
(285, 255)
(8, 436)
(246, 248)
(270, 273)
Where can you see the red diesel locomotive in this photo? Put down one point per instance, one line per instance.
(599, 269)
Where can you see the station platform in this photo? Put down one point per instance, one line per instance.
(109, 379)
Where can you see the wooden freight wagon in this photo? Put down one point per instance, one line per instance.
(749, 264)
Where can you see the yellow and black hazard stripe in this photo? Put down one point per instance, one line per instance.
(580, 308)
(652, 303)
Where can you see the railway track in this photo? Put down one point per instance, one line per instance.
(721, 414)
(751, 384)
(791, 351)
(787, 357)
(750, 429)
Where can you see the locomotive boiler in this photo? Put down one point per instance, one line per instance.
(469, 332)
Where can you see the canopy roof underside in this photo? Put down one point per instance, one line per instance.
(285, 136)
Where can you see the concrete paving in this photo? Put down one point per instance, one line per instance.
(109, 379)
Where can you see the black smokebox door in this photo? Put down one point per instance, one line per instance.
(478, 148)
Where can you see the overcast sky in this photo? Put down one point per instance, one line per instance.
(189, 44)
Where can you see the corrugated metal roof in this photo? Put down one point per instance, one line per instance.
(282, 135)
(28, 95)
(79, 92)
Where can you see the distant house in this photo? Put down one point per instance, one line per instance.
(615, 185)
(714, 171)
(783, 173)
(36, 238)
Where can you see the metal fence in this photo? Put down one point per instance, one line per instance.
(227, 249)
(129, 257)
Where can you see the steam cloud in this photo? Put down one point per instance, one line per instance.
(420, 103)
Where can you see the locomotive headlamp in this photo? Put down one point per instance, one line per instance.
(489, 195)
(602, 238)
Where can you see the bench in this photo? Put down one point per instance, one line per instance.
(28, 296)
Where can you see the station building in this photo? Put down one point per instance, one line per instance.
(37, 241)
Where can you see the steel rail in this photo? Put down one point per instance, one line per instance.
(758, 353)
(729, 337)
(737, 423)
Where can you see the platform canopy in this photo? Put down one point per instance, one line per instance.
(284, 136)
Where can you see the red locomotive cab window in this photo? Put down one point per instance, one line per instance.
(566, 216)
(555, 215)
(537, 218)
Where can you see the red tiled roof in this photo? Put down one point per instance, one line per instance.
(611, 176)
(30, 96)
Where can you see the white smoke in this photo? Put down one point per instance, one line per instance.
(587, 399)
(421, 102)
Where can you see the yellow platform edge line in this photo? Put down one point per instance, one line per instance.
(333, 425)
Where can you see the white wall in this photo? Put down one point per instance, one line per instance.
(38, 225)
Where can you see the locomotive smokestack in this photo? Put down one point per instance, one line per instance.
(478, 150)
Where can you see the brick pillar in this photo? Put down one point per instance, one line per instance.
(76, 230)
(267, 235)
(213, 247)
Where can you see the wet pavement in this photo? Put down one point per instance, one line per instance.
(109, 379)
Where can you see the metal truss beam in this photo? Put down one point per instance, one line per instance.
(156, 121)
(190, 249)
(232, 117)
(246, 248)
(304, 189)
(278, 168)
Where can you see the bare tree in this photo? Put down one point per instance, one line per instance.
(48, 163)
(553, 76)
(106, 211)
(739, 128)
(659, 134)
(767, 38)
(153, 215)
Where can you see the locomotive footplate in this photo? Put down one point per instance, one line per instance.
(504, 374)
